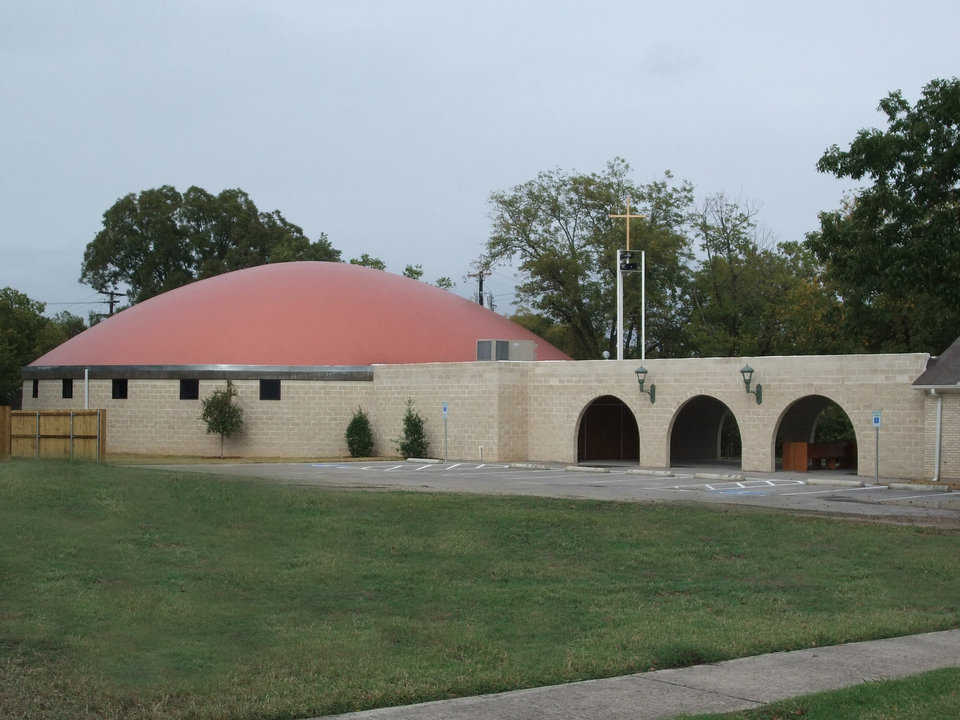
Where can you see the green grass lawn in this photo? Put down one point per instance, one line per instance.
(134, 593)
(930, 696)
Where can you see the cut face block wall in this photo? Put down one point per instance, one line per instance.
(533, 410)
(859, 384)
(486, 404)
(309, 420)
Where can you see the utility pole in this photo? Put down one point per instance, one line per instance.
(483, 269)
(113, 298)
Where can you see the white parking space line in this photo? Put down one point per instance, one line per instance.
(500, 476)
(459, 469)
(836, 490)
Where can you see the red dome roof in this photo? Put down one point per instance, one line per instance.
(299, 313)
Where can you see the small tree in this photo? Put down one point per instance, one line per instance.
(414, 441)
(221, 415)
(359, 436)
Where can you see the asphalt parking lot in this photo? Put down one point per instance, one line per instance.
(832, 493)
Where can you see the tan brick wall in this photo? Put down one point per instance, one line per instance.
(949, 436)
(531, 410)
(950, 441)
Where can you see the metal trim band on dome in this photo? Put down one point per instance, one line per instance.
(355, 373)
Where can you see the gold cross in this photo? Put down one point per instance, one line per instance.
(629, 217)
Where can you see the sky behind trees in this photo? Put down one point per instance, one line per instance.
(387, 125)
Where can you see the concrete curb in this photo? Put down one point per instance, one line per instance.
(654, 473)
(424, 460)
(733, 477)
(841, 483)
(531, 466)
(586, 468)
(918, 487)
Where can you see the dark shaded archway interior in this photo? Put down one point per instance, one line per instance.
(818, 420)
(608, 431)
(705, 432)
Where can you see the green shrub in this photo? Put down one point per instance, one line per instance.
(359, 436)
(414, 441)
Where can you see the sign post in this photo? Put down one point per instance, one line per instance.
(876, 454)
(445, 406)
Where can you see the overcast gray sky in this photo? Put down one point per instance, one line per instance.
(387, 124)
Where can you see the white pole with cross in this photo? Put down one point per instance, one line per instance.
(643, 292)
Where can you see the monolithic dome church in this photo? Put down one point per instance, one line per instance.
(307, 343)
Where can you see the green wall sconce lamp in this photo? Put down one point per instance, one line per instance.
(641, 376)
(747, 373)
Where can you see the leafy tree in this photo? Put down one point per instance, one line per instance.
(369, 261)
(751, 298)
(359, 436)
(25, 335)
(557, 334)
(833, 425)
(557, 227)
(414, 272)
(413, 443)
(893, 249)
(21, 325)
(161, 239)
(68, 324)
(221, 415)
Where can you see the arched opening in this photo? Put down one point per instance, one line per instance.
(608, 431)
(704, 432)
(814, 433)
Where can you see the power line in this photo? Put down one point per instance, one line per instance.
(79, 302)
(113, 298)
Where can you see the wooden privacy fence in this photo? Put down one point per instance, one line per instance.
(4, 431)
(74, 434)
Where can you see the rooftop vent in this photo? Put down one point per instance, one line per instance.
(506, 350)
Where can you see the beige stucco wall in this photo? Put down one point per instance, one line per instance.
(530, 410)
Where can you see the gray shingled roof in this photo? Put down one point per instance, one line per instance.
(943, 370)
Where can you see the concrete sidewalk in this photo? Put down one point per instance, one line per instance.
(722, 687)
